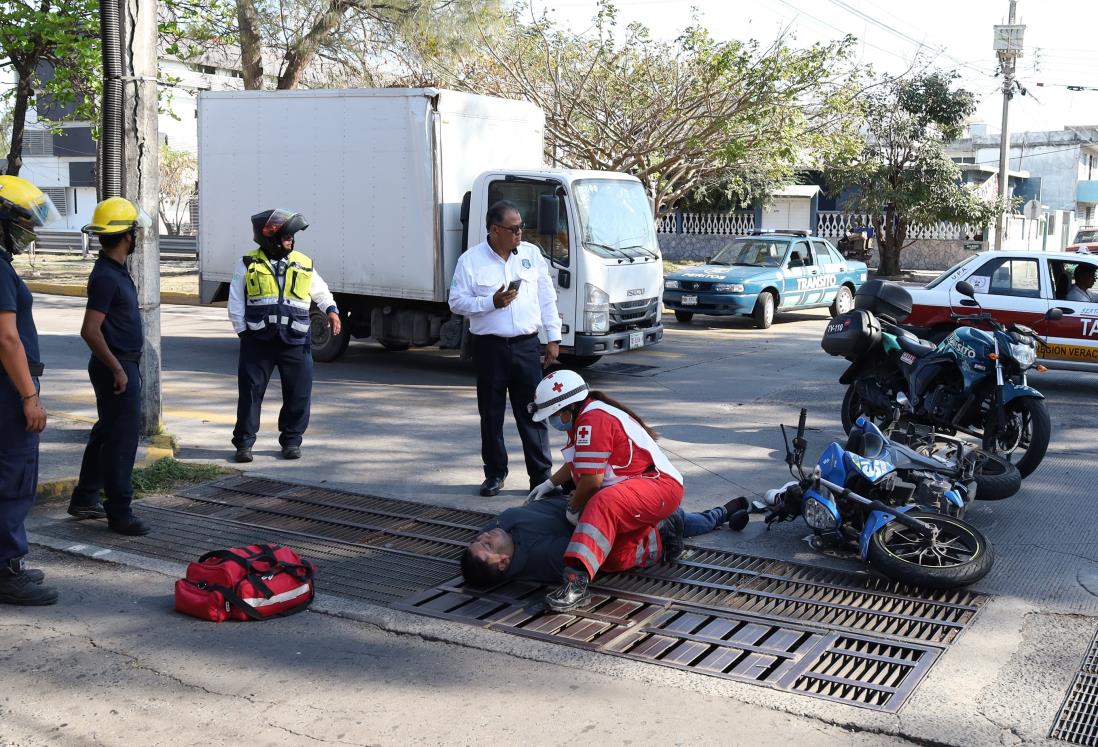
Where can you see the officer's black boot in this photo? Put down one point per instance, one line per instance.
(18, 586)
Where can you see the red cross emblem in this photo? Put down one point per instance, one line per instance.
(558, 386)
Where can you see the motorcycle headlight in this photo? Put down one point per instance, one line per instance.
(728, 287)
(671, 285)
(1024, 353)
(818, 516)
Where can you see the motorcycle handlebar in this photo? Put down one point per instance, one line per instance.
(801, 423)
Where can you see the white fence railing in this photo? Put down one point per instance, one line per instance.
(829, 224)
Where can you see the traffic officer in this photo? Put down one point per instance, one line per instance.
(269, 307)
(502, 285)
(112, 330)
(23, 208)
(625, 486)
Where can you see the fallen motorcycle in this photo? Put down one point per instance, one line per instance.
(861, 502)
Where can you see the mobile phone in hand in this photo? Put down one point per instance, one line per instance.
(514, 284)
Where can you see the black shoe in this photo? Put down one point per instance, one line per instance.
(18, 587)
(18, 566)
(87, 510)
(737, 513)
(671, 530)
(131, 527)
(291, 452)
(491, 486)
(572, 594)
(244, 454)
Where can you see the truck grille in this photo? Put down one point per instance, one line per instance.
(640, 313)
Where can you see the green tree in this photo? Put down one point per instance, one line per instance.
(679, 115)
(902, 174)
(63, 34)
(178, 187)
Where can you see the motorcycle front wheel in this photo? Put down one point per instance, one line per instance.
(957, 556)
(1024, 438)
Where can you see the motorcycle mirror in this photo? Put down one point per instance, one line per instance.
(1064, 311)
(965, 289)
(1054, 313)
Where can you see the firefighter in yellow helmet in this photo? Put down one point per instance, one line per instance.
(112, 330)
(269, 302)
(23, 208)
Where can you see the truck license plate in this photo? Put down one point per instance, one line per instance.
(636, 340)
(689, 300)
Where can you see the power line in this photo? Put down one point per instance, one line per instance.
(844, 32)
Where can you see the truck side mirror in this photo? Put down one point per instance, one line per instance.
(548, 215)
(965, 289)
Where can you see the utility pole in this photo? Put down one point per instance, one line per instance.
(141, 183)
(1008, 46)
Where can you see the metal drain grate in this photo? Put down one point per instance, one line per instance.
(1077, 721)
(861, 671)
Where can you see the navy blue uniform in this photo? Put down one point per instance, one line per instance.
(18, 449)
(112, 445)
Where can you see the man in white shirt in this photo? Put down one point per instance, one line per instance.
(1084, 281)
(269, 301)
(503, 287)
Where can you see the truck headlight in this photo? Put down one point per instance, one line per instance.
(1026, 355)
(818, 516)
(728, 287)
(670, 285)
(596, 308)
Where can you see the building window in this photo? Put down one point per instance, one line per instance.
(37, 143)
(57, 197)
(204, 69)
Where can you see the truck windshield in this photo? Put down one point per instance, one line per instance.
(615, 218)
(751, 253)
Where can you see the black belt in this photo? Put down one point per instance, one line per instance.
(128, 357)
(34, 367)
(511, 340)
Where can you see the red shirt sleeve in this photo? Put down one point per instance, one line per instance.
(595, 435)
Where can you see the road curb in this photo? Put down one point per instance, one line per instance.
(80, 291)
(62, 487)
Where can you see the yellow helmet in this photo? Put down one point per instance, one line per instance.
(116, 215)
(23, 207)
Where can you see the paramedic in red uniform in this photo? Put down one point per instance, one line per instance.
(625, 486)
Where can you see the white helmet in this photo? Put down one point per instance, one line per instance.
(555, 392)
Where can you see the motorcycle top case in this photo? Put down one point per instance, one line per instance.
(884, 299)
(256, 582)
(851, 334)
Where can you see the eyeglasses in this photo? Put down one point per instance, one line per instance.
(515, 230)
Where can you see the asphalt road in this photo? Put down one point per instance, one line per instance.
(405, 425)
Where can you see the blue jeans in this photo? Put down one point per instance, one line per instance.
(695, 523)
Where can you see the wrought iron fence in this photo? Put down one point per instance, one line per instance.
(829, 224)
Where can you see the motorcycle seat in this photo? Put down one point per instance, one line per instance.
(915, 346)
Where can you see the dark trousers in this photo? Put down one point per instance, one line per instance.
(510, 368)
(258, 359)
(112, 445)
(18, 472)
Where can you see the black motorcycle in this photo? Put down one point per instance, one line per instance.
(973, 382)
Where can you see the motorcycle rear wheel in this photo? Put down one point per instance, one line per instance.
(853, 407)
(960, 555)
(1025, 438)
(996, 477)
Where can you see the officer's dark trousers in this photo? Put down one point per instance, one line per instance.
(510, 367)
(112, 445)
(18, 472)
(258, 358)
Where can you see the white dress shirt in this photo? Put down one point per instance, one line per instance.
(318, 291)
(480, 272)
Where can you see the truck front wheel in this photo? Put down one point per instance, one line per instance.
(326, 346)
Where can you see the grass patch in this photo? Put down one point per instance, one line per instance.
(164, 475)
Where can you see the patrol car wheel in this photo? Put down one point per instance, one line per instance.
(764, 310)
(844, 301)
(684, 316)
(326, 346)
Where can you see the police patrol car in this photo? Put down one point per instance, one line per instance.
(768, 270)
(1020, 287)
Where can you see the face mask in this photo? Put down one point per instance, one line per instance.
(555, 421)
(276, 252)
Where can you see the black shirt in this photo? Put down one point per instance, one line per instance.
(111, 291)
(15, 296)
(541, 534)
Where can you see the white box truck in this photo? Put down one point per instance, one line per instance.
(395, 184)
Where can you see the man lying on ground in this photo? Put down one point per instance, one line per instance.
(528, 543)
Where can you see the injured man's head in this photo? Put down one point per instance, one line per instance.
(487, 558)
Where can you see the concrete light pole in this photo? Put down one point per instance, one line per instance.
(1008, 46)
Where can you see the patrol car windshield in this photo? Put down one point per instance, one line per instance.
(615, 218)
(752, 253)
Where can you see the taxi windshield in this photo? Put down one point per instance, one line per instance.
(948, 273)
(751, 253)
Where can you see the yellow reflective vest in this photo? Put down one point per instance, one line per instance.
(272, 311)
